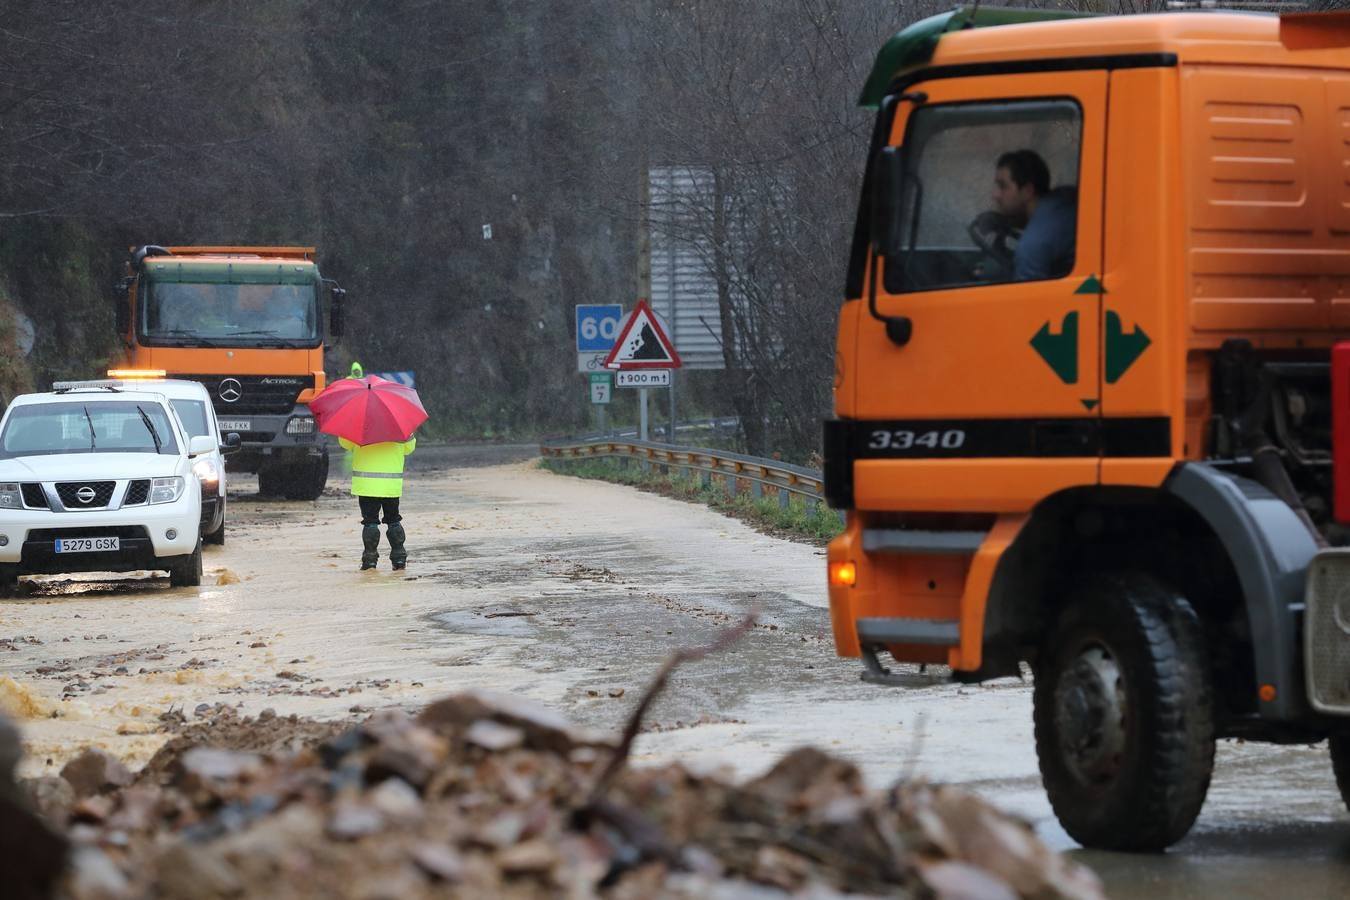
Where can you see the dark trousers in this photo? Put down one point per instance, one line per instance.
(371, 507)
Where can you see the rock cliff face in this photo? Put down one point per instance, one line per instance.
(466, 171)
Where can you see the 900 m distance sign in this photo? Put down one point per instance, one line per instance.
(642, 378)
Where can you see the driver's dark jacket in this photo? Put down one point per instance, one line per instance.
(1046, 247)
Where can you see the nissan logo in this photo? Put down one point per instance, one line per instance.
(230, 390)
(86, 494)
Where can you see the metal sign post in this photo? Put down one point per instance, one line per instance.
(642, 414)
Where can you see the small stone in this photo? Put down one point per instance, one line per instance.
(350, 821)
(616, 692)
(51, 796)
(95, 771)
(493, 736)
(202, 709)
(396, 800)
(189, 870)
(528, 858)
(212, 764)
(93, 876)
(267, 715)
(439, 861)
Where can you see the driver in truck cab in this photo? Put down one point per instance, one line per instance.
(1022, 198)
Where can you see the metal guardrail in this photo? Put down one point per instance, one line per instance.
(731, 467)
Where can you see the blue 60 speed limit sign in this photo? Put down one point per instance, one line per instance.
(597, 326)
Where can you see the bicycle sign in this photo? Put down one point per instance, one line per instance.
(597, 326)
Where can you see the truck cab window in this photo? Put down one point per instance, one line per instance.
(989, 195)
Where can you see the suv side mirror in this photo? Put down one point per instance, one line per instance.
(199, 444)
(231, 443)
(337, 314)
(888, 176)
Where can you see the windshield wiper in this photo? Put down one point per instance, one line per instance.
(150, 425)
(194, 338)
(91, 427)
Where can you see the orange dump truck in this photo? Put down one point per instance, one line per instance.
(247, 323)
(1093, 390)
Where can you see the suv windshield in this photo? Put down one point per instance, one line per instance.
(92, 426)
(193, 414)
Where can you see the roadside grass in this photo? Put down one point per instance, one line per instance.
(800, 520)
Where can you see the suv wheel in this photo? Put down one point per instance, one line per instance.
(1124, 722)
(187, 571)
(1340, 764)
(9, 580)
(217, 537)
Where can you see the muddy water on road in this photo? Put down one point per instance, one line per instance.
(572, 592)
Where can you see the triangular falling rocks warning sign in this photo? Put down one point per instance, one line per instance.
(642, 343)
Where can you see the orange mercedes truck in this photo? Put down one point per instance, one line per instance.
(247, 323)
(1092, 391)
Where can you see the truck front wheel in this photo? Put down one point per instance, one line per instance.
(1124, 717)
(308, 478)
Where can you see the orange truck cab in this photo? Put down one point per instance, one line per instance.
(247, 323)
(1092, 397)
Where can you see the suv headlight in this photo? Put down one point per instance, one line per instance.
(10, 498)
(207, 470)
(300, 425)
(166, 490)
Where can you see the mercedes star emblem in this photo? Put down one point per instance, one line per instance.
(86, 494)
(230, 390)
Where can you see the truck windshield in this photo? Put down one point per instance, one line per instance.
(229, 315)
(120, 426)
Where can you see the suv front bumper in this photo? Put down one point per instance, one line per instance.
(143, 532)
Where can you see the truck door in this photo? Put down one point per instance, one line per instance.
(999, 281)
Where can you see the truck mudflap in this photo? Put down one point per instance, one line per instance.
(919, 594)
(1271, 550)
(1326, 632)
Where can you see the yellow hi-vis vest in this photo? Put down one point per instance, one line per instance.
(377, 469)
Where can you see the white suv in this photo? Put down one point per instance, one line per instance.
(98, 478)
(192, 402)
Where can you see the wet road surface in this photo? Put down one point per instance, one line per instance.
(572, 592)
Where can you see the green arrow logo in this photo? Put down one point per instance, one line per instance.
(1091, 285)
(1060, 351)
(1122, 349)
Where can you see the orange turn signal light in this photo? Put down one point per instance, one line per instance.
(136, 373)
(1266, 692)
(843, 574)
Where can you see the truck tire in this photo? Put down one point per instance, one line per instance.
(309, 478)
(187, 570)
(1340, 764)
(1124, 716)
(271, 479)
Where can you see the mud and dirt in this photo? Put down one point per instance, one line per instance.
(570, 593)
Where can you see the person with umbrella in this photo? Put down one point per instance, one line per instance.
(374, 419)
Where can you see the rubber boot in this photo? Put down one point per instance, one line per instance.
(398, 554)
(370, 536)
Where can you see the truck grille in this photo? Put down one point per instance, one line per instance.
(137, 492)
(1326, 627)
(33, 496)
(255, 394)
(78, 495)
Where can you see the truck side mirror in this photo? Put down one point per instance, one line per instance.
(888, 176)
(231, 442)
(122, 305)
(337, 314)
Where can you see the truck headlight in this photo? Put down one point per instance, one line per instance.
(207, 471)
(10, 498)
(300, 425)
(166, 490)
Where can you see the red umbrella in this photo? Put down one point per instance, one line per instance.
(368, 410)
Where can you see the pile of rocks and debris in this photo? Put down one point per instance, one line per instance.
(487, 795)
